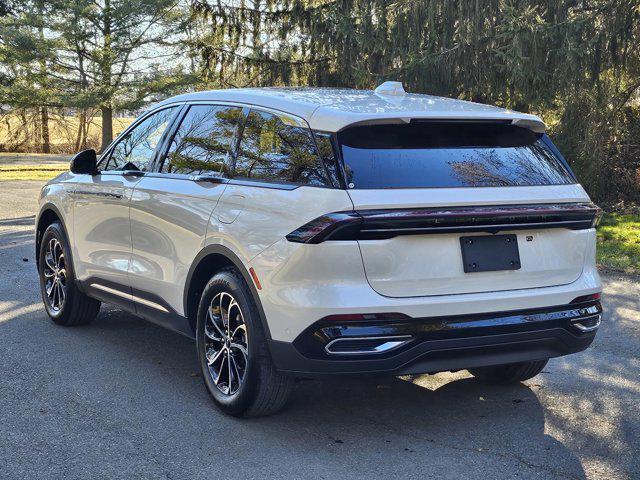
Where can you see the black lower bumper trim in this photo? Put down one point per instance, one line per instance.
(442, 349)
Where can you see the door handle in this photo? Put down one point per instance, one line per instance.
(209, 178)
(133, 173)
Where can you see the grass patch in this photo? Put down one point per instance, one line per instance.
(619, 243)
(31, 172)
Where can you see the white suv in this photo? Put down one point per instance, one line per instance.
(313, 232)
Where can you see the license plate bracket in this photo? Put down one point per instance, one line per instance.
(490, 253)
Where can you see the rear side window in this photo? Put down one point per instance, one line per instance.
(275, 148)
(426, 154)
(203, 141)
(325, 149)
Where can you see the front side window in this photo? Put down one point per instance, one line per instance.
(135, 150)
(275, 148)
(203, 141)
(428, 154)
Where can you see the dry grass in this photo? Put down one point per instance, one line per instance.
(32, 172)
(15, 135)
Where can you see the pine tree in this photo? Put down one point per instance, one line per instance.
(577, 63)
(84, 54)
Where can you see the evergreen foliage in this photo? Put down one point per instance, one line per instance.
(575, 63)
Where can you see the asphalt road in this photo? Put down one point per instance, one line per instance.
(121, 399)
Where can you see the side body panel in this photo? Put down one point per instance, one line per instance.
(57, 195)
(102, 231)
(250, 218)
(169, 218)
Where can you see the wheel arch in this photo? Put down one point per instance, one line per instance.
(48, 214)
(210, 260)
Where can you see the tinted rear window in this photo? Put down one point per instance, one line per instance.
(424, 154)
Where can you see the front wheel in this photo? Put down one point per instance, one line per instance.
(511, 373)
(232, 349)
(65, 304)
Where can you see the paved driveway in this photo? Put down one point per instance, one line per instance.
(121, 399)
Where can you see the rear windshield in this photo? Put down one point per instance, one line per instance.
(426, 154)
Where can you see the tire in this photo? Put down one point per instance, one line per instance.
(511, 373)
(65, 304)
(234, 360)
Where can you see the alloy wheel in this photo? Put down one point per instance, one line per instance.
(226, 347)
(55, 275)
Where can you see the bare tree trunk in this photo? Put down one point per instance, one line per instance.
(76, 144)
(80, 136)
(88, 116)
(107, 127)
(106, 66)
(44, 110)
(44, 120)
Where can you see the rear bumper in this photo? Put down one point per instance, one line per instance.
(429, 345)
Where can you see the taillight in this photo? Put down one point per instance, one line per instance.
(336, 226)
(389, 223)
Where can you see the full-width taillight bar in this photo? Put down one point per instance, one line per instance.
(381, 224)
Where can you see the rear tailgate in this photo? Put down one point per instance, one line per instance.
(422, 264)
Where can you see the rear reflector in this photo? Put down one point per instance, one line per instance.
(254, 275)
(350, 317)
(382, 224)
(587, 298)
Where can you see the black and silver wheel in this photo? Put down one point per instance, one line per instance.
(55, 275)
(64, 302)
(226, 344)
(234, 359)
(510, 373)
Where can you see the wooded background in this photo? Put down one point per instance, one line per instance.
(71, 65)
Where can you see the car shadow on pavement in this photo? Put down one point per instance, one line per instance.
(13, 232)
(348, 419)
(27, 220)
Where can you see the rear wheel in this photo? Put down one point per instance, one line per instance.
(511, 373)
(65, 304)
(234, 358)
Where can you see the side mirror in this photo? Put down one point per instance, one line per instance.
(85, 162)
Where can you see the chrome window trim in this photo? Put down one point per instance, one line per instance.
(162, 149)
(300, 122)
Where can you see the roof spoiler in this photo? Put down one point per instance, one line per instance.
(533, 124)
